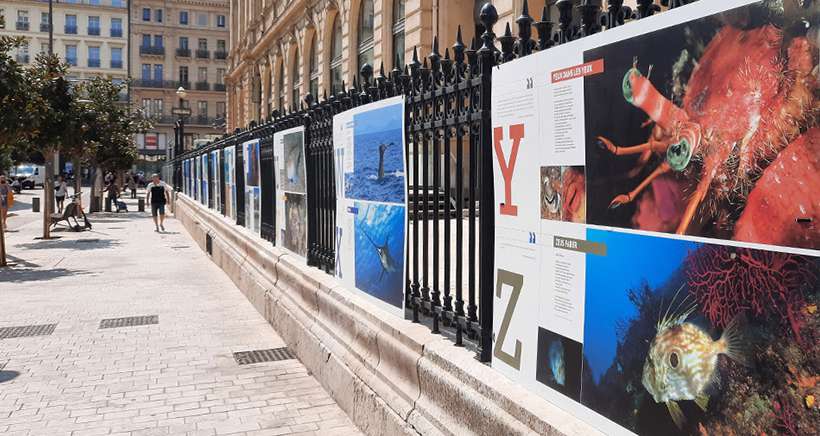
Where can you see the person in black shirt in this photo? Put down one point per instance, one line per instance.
(158, 196)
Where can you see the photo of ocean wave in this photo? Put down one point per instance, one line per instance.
(378, 165)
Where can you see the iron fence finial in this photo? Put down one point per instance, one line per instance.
(488, 17)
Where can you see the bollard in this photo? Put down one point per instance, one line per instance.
(35, 204)
(141, 204)
(108, 204)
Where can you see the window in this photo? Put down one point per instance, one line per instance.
(183, 42)
(158, 72)
(295, 80)
(202, 74)
(156, 107)
(146, 14)
(146, 40)
(220, 109)
(2, 18)
(314, 69)
(202, 44)
(146, 106)
(220, 21)
(22, 52)
(202, 108)
(71, 24)
(146, 72)
(183, 17)
(201, 19)
(94, 2)
(220, 45)
(336, 57)
(220, 76)
(157, 40)
(71, 55)
(44, 18)
(183, 74)
(116, 57)
(43, 47)
(116, 27)
(93, 57)
(22, 16)
(158, 15)
(398, 32)
(118, 3)
(280, 87)
(93, 25)
(365, 35)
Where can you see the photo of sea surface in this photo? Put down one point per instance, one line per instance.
(378, 165)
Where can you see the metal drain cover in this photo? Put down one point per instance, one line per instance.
(26, 331)
(130, 321)
(87, 241)
(258, 356)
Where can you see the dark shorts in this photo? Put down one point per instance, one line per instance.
(60, 198)
(157, 208)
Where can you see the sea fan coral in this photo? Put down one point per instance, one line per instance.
(727, 281)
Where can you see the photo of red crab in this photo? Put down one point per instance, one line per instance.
(740, 145)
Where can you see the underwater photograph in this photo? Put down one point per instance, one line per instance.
(293, 174)
(251, 159)
(378, 156)
(295, 233)
(559, 363)
(689, 338)
(379, 247)
(709, 128)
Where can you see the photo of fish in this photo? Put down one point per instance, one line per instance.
(379, 247)
(293, 174)
(709, 128)
(690, 338)
(559, 363)
(563, 193)
(295, 233)
(253, 189)
(378, 156)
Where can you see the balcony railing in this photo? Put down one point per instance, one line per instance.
(94, 30)
(93, 63)
(22, 58)
(183, 83)
(201, 120)
(219, 86)
(116, 64)
(184, 52)
(43, 27)
(22, 25)
(220, 54)
(197, 120)
(149, 83)
(116, 33)
(70, 29)
(202, 86)
(152, 50)
(203, 54)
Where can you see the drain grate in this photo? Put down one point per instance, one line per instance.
(87, 241)
(26, 331)
(257, 356)
(129, 321)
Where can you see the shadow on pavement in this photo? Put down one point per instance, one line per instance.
(71, 244)
(14, 274)
(8, 375)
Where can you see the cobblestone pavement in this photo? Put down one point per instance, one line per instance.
(176, 377)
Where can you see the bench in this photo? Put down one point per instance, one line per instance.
(70, 211)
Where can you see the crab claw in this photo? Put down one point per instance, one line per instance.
(606, 144)
(620, 200)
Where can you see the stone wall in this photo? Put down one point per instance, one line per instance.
(390, 376)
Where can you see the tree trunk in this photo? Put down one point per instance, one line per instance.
(48, 193)
(78, 181)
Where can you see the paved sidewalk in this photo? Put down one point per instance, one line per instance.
(177, 377)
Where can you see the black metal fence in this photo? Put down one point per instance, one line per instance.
(449, 158)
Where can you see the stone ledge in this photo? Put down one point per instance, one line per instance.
(389, 375)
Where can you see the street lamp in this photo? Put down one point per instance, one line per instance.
(179, 134)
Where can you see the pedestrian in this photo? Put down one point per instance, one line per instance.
(60, 191)
(5, 196)
(158, 197)
(132, 184)
(113, 192)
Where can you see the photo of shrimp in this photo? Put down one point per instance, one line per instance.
(688, 338)
(563, 194)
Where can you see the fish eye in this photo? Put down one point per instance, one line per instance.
(674, 360)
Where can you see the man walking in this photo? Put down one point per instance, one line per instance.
(158, 197)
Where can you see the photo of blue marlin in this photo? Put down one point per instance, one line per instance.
(379, 247)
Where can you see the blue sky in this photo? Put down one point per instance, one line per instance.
(379, 120)
(630, 260)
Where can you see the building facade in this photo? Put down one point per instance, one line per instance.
(178, 43)
(90, 35)
(283, 50)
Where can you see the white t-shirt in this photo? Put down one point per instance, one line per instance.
(62, 189)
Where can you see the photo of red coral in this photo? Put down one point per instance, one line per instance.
(708, 128)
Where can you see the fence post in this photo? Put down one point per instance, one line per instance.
(489, 16)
